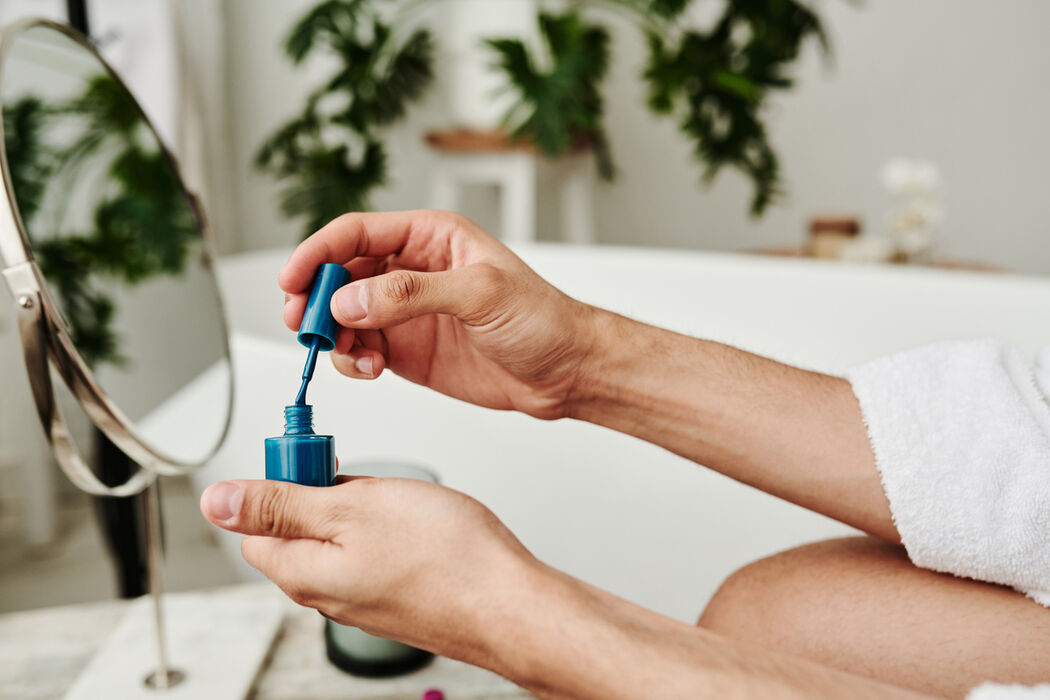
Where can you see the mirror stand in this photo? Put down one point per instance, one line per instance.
(220, 640)
(39, 352)
(163, 677)
(32, 324)
(98, 237)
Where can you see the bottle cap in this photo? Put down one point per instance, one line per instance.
(317, 319)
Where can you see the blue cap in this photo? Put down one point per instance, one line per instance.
(317, 320)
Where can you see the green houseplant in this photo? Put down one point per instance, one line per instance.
(559, 107)
(715, 81)
(330, 156)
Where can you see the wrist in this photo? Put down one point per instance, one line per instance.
(492, 615)
(630, 370)
(604, 356)
(533, 635)
(562, 638)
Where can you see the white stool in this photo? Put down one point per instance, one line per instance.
(469, 157)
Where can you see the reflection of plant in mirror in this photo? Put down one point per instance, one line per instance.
(330, 155)
(140, 227)
(30, 165)
(715, 81)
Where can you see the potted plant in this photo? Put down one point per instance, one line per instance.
(715, 81)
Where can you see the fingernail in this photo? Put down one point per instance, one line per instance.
(364, 365)
(351, 303)
(222, 501)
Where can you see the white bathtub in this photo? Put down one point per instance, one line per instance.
(622, 514)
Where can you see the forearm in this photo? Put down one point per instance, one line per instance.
(562, 638)
(796, 434)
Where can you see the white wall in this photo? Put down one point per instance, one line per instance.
(960, 82)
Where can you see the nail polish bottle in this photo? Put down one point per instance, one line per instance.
(300, 455)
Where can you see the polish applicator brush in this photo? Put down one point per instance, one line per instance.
(300, 455)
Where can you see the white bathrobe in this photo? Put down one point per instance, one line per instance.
(961, 435)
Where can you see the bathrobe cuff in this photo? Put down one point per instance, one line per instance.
(961, 436)
(993, 691)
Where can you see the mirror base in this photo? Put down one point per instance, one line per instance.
(163, 681)
(217, 639)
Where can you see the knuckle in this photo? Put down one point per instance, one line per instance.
(486, 294)
(449, 218)
(271, 511)
(489, 277)
(401, 286)
(329, 516)
(461, 221)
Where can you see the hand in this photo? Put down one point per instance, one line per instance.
(431, 567)
(400, 558)
(444, 304)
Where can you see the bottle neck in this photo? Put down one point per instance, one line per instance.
(299, 420)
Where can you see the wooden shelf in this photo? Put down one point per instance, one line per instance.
(462, 140)
(793, 252)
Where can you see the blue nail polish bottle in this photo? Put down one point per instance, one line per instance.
(300, 455)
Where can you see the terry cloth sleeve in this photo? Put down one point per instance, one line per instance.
(961, 436)
(991, 691)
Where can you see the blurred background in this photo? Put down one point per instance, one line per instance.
(880, 132)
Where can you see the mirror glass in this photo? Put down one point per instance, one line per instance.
(119, 244)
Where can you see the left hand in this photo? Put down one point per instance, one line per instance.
(400, 558)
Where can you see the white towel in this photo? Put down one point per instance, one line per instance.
(991, 691)
(961, 435)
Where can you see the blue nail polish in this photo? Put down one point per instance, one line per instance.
(300, 455)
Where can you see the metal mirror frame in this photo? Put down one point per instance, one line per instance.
(46, 341)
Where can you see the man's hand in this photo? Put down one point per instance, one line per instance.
(432, 567)
(443, 304)
(400, 558)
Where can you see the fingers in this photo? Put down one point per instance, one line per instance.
(297, 566)
(372, 234)
(469, 293)
(366, 358)
(272, 509)
(344, 340)
(295, 304)
(279, 559)
(344, 478)
(294, 307)
(359, 363)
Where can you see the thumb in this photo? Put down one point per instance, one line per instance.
(468, 293)
(271, 509)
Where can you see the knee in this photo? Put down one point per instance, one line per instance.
(745, 605)
(786, 599)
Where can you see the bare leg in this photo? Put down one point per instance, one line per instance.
(859, 605)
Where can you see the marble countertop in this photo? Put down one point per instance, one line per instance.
(42, 652)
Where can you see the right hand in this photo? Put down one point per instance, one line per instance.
(445, 305)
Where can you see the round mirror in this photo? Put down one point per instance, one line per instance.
(101, 219)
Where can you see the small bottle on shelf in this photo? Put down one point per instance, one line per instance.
(828, 235)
